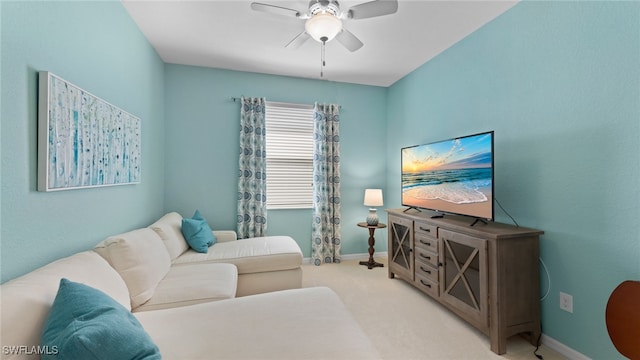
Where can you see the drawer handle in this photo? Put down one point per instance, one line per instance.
(425, 257)
(423, 229)
(425, 270)
(425, 284)
(425, 243)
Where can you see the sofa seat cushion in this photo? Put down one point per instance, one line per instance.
(193, 284)
(310, 323)
(25, 301)
(140, 257)
(260, 254)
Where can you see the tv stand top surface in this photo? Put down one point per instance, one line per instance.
(462, 224)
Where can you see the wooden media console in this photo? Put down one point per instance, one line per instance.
(488, 274)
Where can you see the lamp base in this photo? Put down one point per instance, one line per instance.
(372, 218)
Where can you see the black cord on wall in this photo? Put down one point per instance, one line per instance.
(505, 211)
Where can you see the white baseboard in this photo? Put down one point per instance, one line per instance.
(361, 256)
(563, 349)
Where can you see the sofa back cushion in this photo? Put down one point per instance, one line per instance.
(25, 301)
(169, 228)
(141, 258)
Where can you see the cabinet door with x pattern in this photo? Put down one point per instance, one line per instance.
(464, 282)
(400, 248)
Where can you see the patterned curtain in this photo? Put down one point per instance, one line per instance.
(252, 185)
(326, 232)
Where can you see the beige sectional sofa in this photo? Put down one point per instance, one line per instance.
(186, 301)
(152, 263)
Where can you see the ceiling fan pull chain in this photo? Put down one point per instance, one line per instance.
(322, 62)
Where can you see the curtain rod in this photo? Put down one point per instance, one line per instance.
(236, 99)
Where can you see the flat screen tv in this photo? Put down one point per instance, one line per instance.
(450, 176)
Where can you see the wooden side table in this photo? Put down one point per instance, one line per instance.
(372, 241)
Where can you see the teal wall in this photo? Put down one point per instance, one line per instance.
(559, 84)
(96, 46)
(203, 140)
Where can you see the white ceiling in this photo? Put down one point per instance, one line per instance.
(229, 35)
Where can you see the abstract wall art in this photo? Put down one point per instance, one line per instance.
(84, 141)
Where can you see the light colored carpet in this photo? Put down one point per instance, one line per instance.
(404, 323)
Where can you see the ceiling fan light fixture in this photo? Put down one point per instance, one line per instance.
(323, 27)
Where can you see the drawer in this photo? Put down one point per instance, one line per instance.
(427, 285)
(426, 256)
(426, 242)
(425, 269)
(425, 229)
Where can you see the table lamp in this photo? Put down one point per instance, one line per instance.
(372, 197)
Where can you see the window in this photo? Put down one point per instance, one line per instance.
(289, 137)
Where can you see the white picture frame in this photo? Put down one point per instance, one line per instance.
(84, 141)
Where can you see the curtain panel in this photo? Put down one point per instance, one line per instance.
(252, 179)
(326, 227)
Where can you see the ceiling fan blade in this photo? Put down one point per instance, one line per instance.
(373, 8)
(348, 40)
(274, 9)
(298, 40)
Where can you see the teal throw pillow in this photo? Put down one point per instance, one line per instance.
(86, 323)
(198, 233)
(197, 216)
(195, 234)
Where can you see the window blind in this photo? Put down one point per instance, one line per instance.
(289, 138)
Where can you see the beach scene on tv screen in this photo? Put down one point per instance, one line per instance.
(450, 176)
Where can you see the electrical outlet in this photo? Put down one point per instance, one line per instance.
(566, 302)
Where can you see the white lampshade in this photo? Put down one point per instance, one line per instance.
(323, 25)
(373, 197)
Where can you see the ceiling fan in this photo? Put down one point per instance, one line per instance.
(324, 20)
